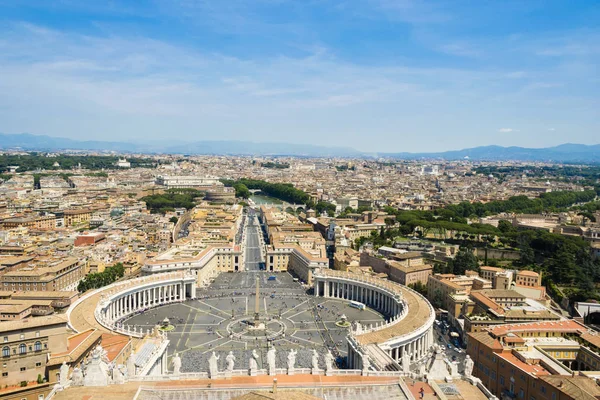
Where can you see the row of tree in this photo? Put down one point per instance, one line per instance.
(35, 161)
(275, 165)
(99, 279)
(547, 202)
(282, 191)
(172, 199)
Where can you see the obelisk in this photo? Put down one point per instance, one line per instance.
(257, 304)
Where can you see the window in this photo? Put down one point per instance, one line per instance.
(38, 364)
(38, 346)
(37, 334)
(543, 389)
(41, 397)
(22, 336)
(521, 394)
(553, 395)
(5, 339)
(501, 380)
(5, 351)
(22, 348)
(23, 369)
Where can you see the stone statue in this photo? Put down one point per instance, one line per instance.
(271, 360)
(131, 372)
(315, 360)
(176, 364)
(64, 374)
(328, 361)
(77, 377)
(291, 358)
(253, 365)
(118, 374)
(405, 362)
(366, 361)
(213, 367)
(97, 368)
(468, 365)
(230, 361)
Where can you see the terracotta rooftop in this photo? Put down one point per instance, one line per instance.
(577, 387)
(532, 369)
(566, 326)
(26, 323)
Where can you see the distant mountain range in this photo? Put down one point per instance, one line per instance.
(562, 153)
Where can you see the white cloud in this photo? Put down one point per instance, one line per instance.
(118, 86)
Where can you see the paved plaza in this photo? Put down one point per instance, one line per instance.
(220, 320)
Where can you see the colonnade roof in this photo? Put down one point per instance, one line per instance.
(82, 315)
(419, 309)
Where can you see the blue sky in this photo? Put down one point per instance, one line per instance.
(376, 75)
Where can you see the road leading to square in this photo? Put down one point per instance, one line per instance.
(254, 260)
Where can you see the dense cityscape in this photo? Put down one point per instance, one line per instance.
(464, 278)
(299, 200)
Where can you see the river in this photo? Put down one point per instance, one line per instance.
(262, 199)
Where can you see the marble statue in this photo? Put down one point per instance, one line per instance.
(468, 365)
(176, 364)
(230, 361)
(328, 361)
(64, 374)
(253, 365)
(405, 362)
(119, 374)
(77, 377)
(292, 358)
(97, 368)
(131, 372)
(315, 360)
(271, 360)
(213, 366)
(366, 361)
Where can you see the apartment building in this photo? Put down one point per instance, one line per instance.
(406, 268)
(538, 360)
(42, 222)
(498, 306)
(26, 345)
(59, 276)
(76, 217)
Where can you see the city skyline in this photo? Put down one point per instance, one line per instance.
(375, 76)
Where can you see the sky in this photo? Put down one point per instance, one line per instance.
(374, 75)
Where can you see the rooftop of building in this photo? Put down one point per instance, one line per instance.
(577, 387)
(29, 323)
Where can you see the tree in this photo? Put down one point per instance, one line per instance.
(505, 226)
(527, 254)
(173, 220)
(464, 260)
(241, 191)
(437, 298)
(419, 287)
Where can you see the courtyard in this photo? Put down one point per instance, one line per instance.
(221, 319)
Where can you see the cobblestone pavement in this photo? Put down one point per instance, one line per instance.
(205, 324)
